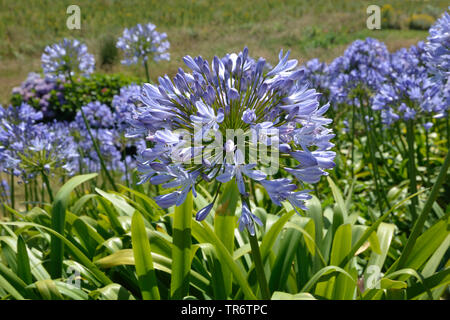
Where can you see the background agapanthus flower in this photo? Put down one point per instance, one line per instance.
(317, 73)
(101, 122)
(143, 42)
(66, 59)
(124, 105)
(108, 127)
(232, 93)
(438, 48)
(29, 147)
(409, 91)
(364, 63)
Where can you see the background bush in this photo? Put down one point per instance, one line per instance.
(63, 100)
(421, 21)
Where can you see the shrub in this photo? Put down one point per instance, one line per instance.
(60, 100)
(390, 18)
(108, 52)
(421, 21)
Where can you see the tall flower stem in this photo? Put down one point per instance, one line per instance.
(26, 196)
(11, 189)
(370, 141)
(427, 149)
(47, 185)
(448, 131)
(94, 141)
(411, 167)
(147, 74)
(353, 140)
(259, 267)
(126, 167)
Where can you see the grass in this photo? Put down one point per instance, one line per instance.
(195, 27)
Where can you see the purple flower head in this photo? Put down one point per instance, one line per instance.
(67, 59)
(143, 42)
(98, 115)
(29, 147)
(124, 105)
(204, 125)
(438, 47)
(364, 63)
(317, 74)
(409, 82)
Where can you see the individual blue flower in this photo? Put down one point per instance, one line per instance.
(238, 169)
(248, 220)
(206, 117)
(203, 213)
(249, 116)
(67, 59)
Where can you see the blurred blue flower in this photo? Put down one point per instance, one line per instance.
(364, 63)
(438, 47)
(143, 42)
(67, 59)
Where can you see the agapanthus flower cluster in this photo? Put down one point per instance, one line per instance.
(195, 122)
(317, 73)
(29, 147)
(67, 59)
(99, 115)
(124, 105)
(143, 42)
(438, 48)
(16, 127)
(409, 91)
(109, 133)
(101, 122)
(365, 64)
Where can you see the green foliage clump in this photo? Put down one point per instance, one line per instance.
(98, 87)
(390, 18)
(421, 21)
(108, 52)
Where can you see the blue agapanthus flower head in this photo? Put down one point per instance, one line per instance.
(29, 147)
(438, 47)
(409, 91)
(317, 73)
(364, 63)
(67, 59)
(143, 42)
(99, 115)
(207, 124)
(124, 105)
(51, 147)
